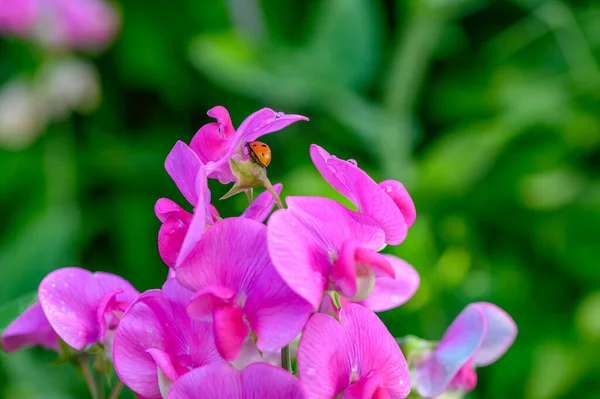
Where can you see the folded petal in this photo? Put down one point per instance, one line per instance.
(390, 292)
(230, 330)
(70, 298)
(262, 206)
(211, 142)
(207, 299)
(31, 328)
(261, 380)
(500, 333)
(458, 345)
(332, 355)
(171, 235)
(183, 165)
(164, 208)
(401, 198)
(215, 381)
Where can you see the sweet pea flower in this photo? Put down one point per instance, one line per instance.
(238, 289)
(82, 307)
(318, 245)
(181, 230)
(257, 381)
(388, 202)
(76, 24)
(355, 357)
(31, 328)
(157, 342)
(218, 142)
(478, 336)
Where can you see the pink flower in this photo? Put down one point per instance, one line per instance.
(238, 289)
(388, 202)
(257, 381)
(157, 342)
(31, 328)
(181, 230)
(84, 307)
(215, 143)
(78, 24)
(478, 336)
(318, 245)
(355, 357)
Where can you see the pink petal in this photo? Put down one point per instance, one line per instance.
(500, 334)
(164, 208)
(262, 206)
(233, 254)
(206, 299)
(368, 387)
(183, 165)
(261, 381)
(230, 331)
(215, 381)
(70, 298)
(392, 292)
(401, 198)
(460, 342)
(211, 142)
(164, 361)
(31, 328)
(262, 122)
(332, 354)
(320, 157)
(158, 320)
(108, 303)
(171, 235)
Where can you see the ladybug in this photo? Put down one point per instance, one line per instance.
(259, 152)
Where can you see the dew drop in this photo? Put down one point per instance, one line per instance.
(53, 285)
(354, 367)
(395, 299)
(388, 189)
(401, 382)
(353, 162)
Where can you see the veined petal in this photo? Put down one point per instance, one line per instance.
(183, 165)
(31, 328)
(500, 333)
(458, 345)
(261, 380)
(332, 355)
(206, 299)
(262, 206)
(401, 198)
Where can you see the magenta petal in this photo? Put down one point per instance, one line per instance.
(215, 381)
(211, 141)
(164, 362)
(108, 303)
(367, 387)
(262, 122)
(262, 206)
(164, 208)
(31, 328)
(344, 270)
(171, 235)
(401, 198)
(230, 331)
(500, 334)
(262, 381)
(183, 165)
(457, 347)
(70, 298)
(392, 292)
(320, 157)
(206, 299)
(333, 354)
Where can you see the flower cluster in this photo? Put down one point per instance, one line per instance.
(242, 298)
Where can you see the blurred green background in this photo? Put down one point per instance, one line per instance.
(488, 111)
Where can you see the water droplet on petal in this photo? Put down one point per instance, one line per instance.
(353, 162)
(388, 189)
(395, 299)
(53, 285)
(401, 382)
(354, 367)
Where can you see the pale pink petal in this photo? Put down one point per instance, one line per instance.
(500, 334)
(31, 328)
(401, 198)
(332, 355)
(206, 299)
(263, 381)
(392, 292)
(183, 165)
(457, 347)
(262, 206)
(216, 381)
(211, 142)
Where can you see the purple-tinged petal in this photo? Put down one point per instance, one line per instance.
(70, 298)
(230, 331)
(31, 328)
(261, 381)
(457, 347)
(206, 299)
(158, 320)
(183, 166)
(389, 292)
(332, 355)
(211, 142)
(262, 206)
(233, 253)
(401, 198)
(257, 381)
(500, 334)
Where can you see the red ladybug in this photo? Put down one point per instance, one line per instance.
(259, 152)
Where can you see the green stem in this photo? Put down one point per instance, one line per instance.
(89, 377)
(116, 391)
(270, 189)
(250, 195)
(286, 359)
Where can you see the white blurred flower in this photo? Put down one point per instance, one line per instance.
(21, 118)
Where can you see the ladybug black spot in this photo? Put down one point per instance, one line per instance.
(264, 145)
